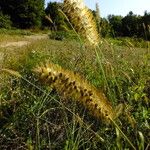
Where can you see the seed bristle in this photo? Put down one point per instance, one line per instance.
(82, 19)
(74, 86)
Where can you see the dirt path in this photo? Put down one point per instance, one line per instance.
(8, 47)
(27, 40)
(14, 44)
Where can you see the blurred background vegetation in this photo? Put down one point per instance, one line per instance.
(27, 14)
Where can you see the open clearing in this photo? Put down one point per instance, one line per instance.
(9, 46)
(27, 40)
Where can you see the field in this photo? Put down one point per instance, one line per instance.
(35, 116)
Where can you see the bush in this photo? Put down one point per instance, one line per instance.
(5, 21)
(62, 35)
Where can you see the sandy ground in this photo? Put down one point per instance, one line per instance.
(27, 40)
(12, 45)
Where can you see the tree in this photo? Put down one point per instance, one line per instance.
(116, 25)
(5, 21)
(146, 25)
(105, 27)
(130, 25)
(23, 13)
(52, 11)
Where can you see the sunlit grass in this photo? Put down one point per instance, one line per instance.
(37, 117)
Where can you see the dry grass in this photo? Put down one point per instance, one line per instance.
(9, 38)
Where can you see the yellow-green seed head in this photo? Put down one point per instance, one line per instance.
(82, 20)
(73, 86)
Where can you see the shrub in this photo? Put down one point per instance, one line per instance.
(62, 35)
(5, 21)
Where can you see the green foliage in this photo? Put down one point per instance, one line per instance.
(129, 42)
(24, 13)
(116, 24)
(146, 25)
(5, 21)
(105, 28)
(131, 25)
(62, 35)
(15, 32)
(58, 20)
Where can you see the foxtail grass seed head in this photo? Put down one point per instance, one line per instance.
(73, 86)
(82, 20)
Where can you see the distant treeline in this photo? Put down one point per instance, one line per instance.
(21, 13)
(26, 14)
(131, 25)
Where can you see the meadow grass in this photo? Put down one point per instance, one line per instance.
(15, 35)
(7, 37)
(34, 116)
(44, 117)
(12, 35)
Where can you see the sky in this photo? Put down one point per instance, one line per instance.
(117, 7)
